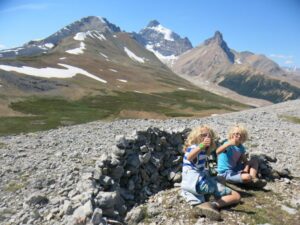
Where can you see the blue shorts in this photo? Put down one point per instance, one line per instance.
(211, 186)
(235, 175)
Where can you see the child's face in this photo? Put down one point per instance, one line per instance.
(205, 133)
(237, 136)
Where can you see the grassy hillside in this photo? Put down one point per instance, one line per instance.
(47, 113)
(258, 86)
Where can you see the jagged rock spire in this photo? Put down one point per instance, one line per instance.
(218, 39)
(153, 23)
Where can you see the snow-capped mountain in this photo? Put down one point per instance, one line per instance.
(163, 42)
(88, 57)
(91, 23)
(98, 50)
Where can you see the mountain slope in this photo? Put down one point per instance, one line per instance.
(206, 60)
(245, 73)
(98, 74)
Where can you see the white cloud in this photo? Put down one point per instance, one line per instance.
(281, 56)
(289, 62)
(2, 46)
(26, 7)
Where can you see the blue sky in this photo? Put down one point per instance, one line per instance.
(269, 27)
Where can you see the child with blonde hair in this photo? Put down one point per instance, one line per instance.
(196, 181)
(233, 164)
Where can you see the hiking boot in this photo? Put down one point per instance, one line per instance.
(208, 210)
(257, 183)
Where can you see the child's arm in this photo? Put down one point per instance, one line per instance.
(193, 154)
(223, 147)
(202, 146)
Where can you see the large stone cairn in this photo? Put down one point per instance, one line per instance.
(138, 167)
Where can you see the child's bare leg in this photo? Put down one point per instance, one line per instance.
(253, 163)
(246, 177)
(226, 200)
(246, 169)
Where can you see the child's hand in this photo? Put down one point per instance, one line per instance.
(206, 142)
(232, 142)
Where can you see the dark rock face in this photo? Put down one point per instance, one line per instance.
(163, 40)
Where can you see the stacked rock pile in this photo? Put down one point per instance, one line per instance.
(137, 168)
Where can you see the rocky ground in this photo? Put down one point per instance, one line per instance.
(44, 168)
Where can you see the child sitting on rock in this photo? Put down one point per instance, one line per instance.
(232, 161)
(196, 181)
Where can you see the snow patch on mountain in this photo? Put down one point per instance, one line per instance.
(105, 56)
(80, 36)
(10, 50)
(100, 36)
(50, 72)
(238, 61)
(77, 51)
(165, 31)
(49, 45)
(46, 46)
(134, 56)
(121, 80)
(170, 59)
(101, 19)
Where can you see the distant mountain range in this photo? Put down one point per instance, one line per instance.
(108, 59)
(92, 61)
(245, 73)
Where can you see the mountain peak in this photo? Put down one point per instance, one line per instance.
(93, 23)
(153, 23)
(218, 39)
(165, 43)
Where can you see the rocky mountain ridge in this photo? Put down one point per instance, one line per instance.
(51, 177)
(43, 46)
(213, 61)
(163, 42)
(92, 57)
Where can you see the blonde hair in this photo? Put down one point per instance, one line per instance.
(241, 129)
(194, 137)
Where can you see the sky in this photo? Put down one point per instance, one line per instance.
(269, 27)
